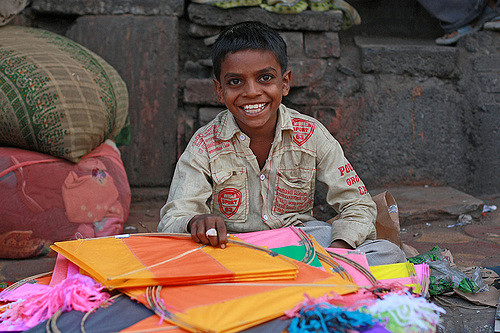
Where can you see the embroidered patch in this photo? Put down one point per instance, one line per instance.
(292, 200)
(229, 201)
(302, 130)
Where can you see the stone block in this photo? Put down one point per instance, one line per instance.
(322, 45)
(185, 127)
(305, 21)
(294, 43)
(200, 91)
(208, 114)
(325, 93)
(487, 63)
(398, 56)
(489, 135)
(109, 7)
(490, 82)
(410, 131)
(304, 95)
(306, 71)
(150, 70)
(200, 31)
(197, 69)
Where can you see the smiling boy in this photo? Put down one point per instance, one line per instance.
(255, 166)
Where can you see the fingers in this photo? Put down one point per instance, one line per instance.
(222, 233)
(208, 229)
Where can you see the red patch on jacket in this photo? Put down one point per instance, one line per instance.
(302, 130)
(229, 201)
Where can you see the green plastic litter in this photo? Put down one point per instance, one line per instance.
(443, 277)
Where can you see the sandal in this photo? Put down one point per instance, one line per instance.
(488, 15)
(493, 25)
(454, 36)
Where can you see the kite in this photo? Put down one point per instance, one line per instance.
(166, 259)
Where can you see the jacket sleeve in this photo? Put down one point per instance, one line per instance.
(346, 193)
(190, 190)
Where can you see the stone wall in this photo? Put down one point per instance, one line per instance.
(405, 110)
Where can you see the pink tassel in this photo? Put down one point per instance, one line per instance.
(77, 292)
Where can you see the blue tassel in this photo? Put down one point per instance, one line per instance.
(324, 317)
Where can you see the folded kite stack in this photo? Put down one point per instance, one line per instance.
(62, 109)
(290, 285)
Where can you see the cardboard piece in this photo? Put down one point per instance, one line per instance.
(387, 222)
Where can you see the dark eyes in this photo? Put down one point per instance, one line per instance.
(266, 77)
(233, 82)
(262, 78)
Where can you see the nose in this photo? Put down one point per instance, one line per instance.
(252, 88)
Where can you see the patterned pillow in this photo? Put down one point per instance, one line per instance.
(57, 97)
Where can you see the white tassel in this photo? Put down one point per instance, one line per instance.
(407, 311)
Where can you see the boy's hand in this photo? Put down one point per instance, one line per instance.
(199, 225)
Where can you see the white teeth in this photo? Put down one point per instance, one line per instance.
(254, 108)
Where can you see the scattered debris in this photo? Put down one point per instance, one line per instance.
(489, 208)
(464, 219)
(130, 229)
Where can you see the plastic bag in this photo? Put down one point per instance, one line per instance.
(443, 277)
(44, 199)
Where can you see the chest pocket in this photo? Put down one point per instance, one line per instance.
(230, 194)
(295, 182)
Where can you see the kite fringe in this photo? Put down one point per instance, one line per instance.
(392, 306)
(78, 292)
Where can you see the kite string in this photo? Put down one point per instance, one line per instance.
(155, 301)
(328, 260)
(256, 247)
(157, 264)
(79, 236)
(281, 284)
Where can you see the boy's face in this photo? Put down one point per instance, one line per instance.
(252, 86)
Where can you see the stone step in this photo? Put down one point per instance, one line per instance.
(307, 20)
(115, 7)
(407, 56)
(423, 204)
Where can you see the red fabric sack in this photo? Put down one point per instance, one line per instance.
(44, 199)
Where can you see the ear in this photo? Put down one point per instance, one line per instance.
(218, 89)
(287, 78)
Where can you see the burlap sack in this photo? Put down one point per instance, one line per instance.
(57, 97)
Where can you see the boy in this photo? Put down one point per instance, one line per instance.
(255, 165)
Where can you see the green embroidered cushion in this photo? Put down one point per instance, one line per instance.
(57, 97)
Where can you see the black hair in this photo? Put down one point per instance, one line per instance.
(250, 35)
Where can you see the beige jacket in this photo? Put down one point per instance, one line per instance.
(219, 174)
